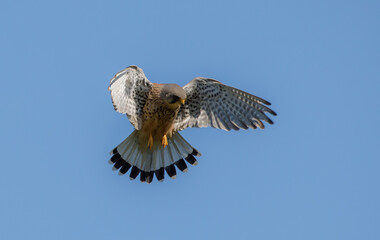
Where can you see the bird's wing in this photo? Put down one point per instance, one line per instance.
(211, 103)
(129, 90)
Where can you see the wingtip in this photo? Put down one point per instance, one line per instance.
(134, 67)
(138, 69)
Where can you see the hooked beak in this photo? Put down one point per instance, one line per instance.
(182, 101)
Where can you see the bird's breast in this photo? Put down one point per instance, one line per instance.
(158, 120)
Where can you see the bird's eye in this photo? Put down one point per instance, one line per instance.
(174, 99)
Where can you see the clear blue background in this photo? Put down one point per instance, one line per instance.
(314, 174)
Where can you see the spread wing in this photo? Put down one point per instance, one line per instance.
(211, 103)
(129, 90)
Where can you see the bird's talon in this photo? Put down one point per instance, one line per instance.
(150, 142)
(164, 141)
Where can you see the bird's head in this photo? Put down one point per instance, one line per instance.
(173, 95)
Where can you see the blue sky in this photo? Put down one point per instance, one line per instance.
(314, 174)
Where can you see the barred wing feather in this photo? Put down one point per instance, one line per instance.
(129, 90)
(211, 103)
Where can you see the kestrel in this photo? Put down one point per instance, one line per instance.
(159, 111)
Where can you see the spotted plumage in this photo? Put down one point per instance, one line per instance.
(159, 111)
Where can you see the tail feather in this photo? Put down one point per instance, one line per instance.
(181, 165)
(118, 164)
(146, 162)
(124, 147)
(124, 169)
(160, 173)
(173, 153)
(170, 170)
(186, 146)
(134, 173)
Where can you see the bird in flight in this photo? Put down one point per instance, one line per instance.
(159, 111)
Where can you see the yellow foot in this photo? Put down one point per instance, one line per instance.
(164, 141)
(150, 142)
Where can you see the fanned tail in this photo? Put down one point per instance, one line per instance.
(146, 162)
